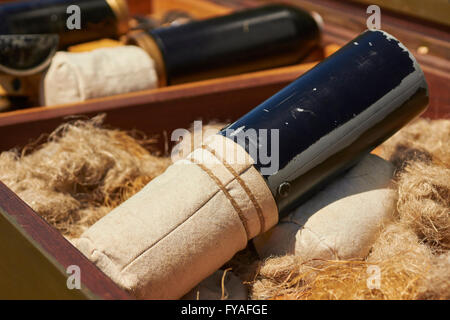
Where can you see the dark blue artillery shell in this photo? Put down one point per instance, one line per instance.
(327, 119)
(248, 40)
(27, 54)
(98, 19)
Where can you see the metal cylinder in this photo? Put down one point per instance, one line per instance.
(249, 40)
(24, 55)
(328, 118)
(99, 19)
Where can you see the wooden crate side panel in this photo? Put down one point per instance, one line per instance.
(36, 257)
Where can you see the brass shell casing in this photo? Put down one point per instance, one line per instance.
(148, 43)
(122, 13)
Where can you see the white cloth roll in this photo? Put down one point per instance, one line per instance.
(340, 222)
(75, 77)
(184, 225)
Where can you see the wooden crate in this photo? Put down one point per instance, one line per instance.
(35, 256)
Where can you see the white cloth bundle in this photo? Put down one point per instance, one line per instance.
(185, 224)
(340, 222)
(75, 77)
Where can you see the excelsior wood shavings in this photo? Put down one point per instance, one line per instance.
(84, 170)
